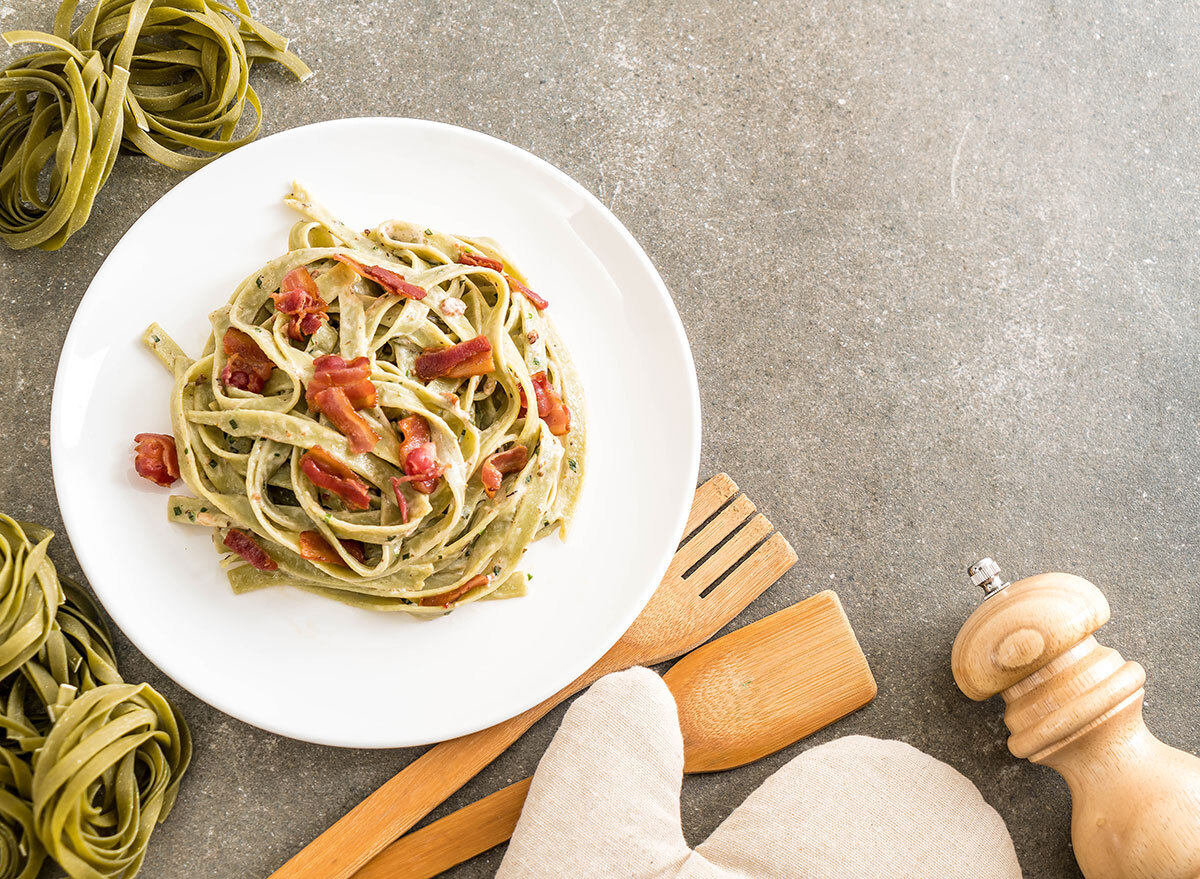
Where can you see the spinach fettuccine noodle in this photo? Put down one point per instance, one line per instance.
(89, 764)
(165, 78)
(386, 418)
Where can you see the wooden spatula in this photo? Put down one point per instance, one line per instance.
(728, 557)
(744, 696)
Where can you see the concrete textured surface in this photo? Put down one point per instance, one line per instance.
(937, 262)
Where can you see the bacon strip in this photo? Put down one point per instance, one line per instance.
(299, 297)
(156, 459)
(385, 278)
(496, 466)
(315, 548)
(246, 366)
(401, 500)
(472, 357)
(448, 598)
(336, 406)
(418, 454)
(466, 258)
(247, 547)
(325, 471)
(353, 377)
(550, 405)
(538, 302)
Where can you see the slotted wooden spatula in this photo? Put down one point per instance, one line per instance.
(728, 557)
(741, 697)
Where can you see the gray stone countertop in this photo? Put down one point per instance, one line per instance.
(937, 263)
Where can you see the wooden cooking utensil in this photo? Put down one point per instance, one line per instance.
(1076, 706)
(728, 557)
(741, 697)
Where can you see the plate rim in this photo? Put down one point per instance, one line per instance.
(87, 558)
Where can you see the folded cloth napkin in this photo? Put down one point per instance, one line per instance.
(604, 804)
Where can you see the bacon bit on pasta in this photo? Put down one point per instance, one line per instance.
(467, 258)
(336, 406)
(452, 306)
(538, 302)
(472, 357)
(532, 336)
(418, 454)
(247, 547)
(353, 377)
(315, 548)
(448, 598)
(496, 466)
(246, 366)
(401, 500)
(156, 458)
(325, 471)
(385, 278)
(550, 405)
(298, 296)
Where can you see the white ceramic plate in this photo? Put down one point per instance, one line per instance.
(310, 668)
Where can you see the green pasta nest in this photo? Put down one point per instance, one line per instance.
(242, 452)
(89, 764)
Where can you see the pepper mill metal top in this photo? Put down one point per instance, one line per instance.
(985, 574)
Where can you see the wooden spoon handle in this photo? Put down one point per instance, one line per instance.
(422, 785)
(458, 837)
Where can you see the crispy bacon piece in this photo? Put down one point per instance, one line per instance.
(246, 366)
(448, 598)
(472, 357)
(247, 547)
(156, 459)
(418, 454)
(353, 377)
(538, 302)
(299, 297)
(325, 471)
(466, 258)
(495, 466)
(315, 548)
(550, 405)
(385, 278)
(336, 406)
(401, 500)
(339, 388)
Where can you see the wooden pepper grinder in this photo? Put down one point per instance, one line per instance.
(1076, 706)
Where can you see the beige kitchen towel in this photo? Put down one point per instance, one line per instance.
(604, 804)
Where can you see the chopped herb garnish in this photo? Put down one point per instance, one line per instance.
(258, 281)
(154, 338)
(204, 509)
(571, 464)
(233, 424)
(191, 516)
(212, 463)
(528, 577)
(178, 511)
(496, 570)
(428, 231)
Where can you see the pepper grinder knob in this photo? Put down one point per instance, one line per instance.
(1076, 706)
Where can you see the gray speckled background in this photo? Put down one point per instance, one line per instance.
(937, 262)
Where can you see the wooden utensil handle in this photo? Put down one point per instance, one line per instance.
(452, 840)
(422, 785)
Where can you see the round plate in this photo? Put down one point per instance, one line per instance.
(307, 667)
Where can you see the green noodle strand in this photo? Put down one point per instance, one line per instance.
(157, 76)
(240, 453)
